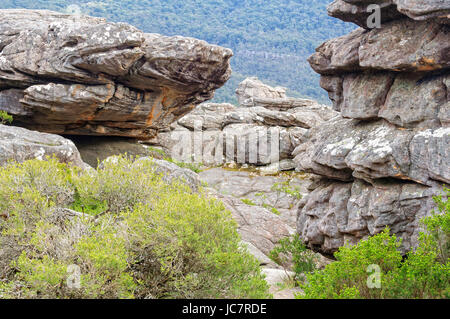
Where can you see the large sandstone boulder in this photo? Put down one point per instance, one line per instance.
(19, 144)
(82, 75)
(388, 153)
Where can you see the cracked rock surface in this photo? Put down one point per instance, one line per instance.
(388, 153)
(19, 145)
(265, 120)
(81, 75)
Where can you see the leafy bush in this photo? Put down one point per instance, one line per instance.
(5, 118)
(133, 236)
(424, 273)
(292, 251)
(194, 249)
(286, 188)
(271, 208)
(248, 202)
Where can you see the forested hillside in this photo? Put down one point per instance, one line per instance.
(271, 39)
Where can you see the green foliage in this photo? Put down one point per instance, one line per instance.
(5, 118)
(192, 166)
(424, 273)
(286, 188)
(291, 253)
(271, 208)
(195, 249)
(268, 37)
(247, 201)
(135, 237)
(118, 185)
(438, 226)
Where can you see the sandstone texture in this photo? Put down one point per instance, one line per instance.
(81, 75)
(263, 130)
(19, 145)
(388, 153)
(357, 11)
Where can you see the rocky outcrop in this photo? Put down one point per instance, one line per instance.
(19, 145)
(387, 153)
(81, 75)
(358, 11)
(280, 194)
(263, 130)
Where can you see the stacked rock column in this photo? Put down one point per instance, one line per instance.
(387, 154)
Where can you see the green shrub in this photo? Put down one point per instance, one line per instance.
(248, 202)
(192, 166)
(195, 251)
(293, 251)
(134, 236)
(286, 188)
(5, 118)
(424, 273)
(271, 208)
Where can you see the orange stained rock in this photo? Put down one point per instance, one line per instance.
(156, 105)
(111, 92)
(75, 89)
(426, 64)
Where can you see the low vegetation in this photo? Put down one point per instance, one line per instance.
(291, 253)
(5, 118)
(375, 268)
(118, 232)
(122, 231)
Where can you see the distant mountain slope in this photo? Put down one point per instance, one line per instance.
(271, 38)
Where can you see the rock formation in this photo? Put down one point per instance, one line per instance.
(81, 75)
(266, 118)
(19, 144)
(388, 153)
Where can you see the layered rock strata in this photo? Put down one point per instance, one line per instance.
(263, 130)
(388, 152)
(81, 75)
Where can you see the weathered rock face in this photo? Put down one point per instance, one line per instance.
(85, 76)
(264, 130)
(388, 153)
(19, 144)
(280, 193)
(358, 11)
